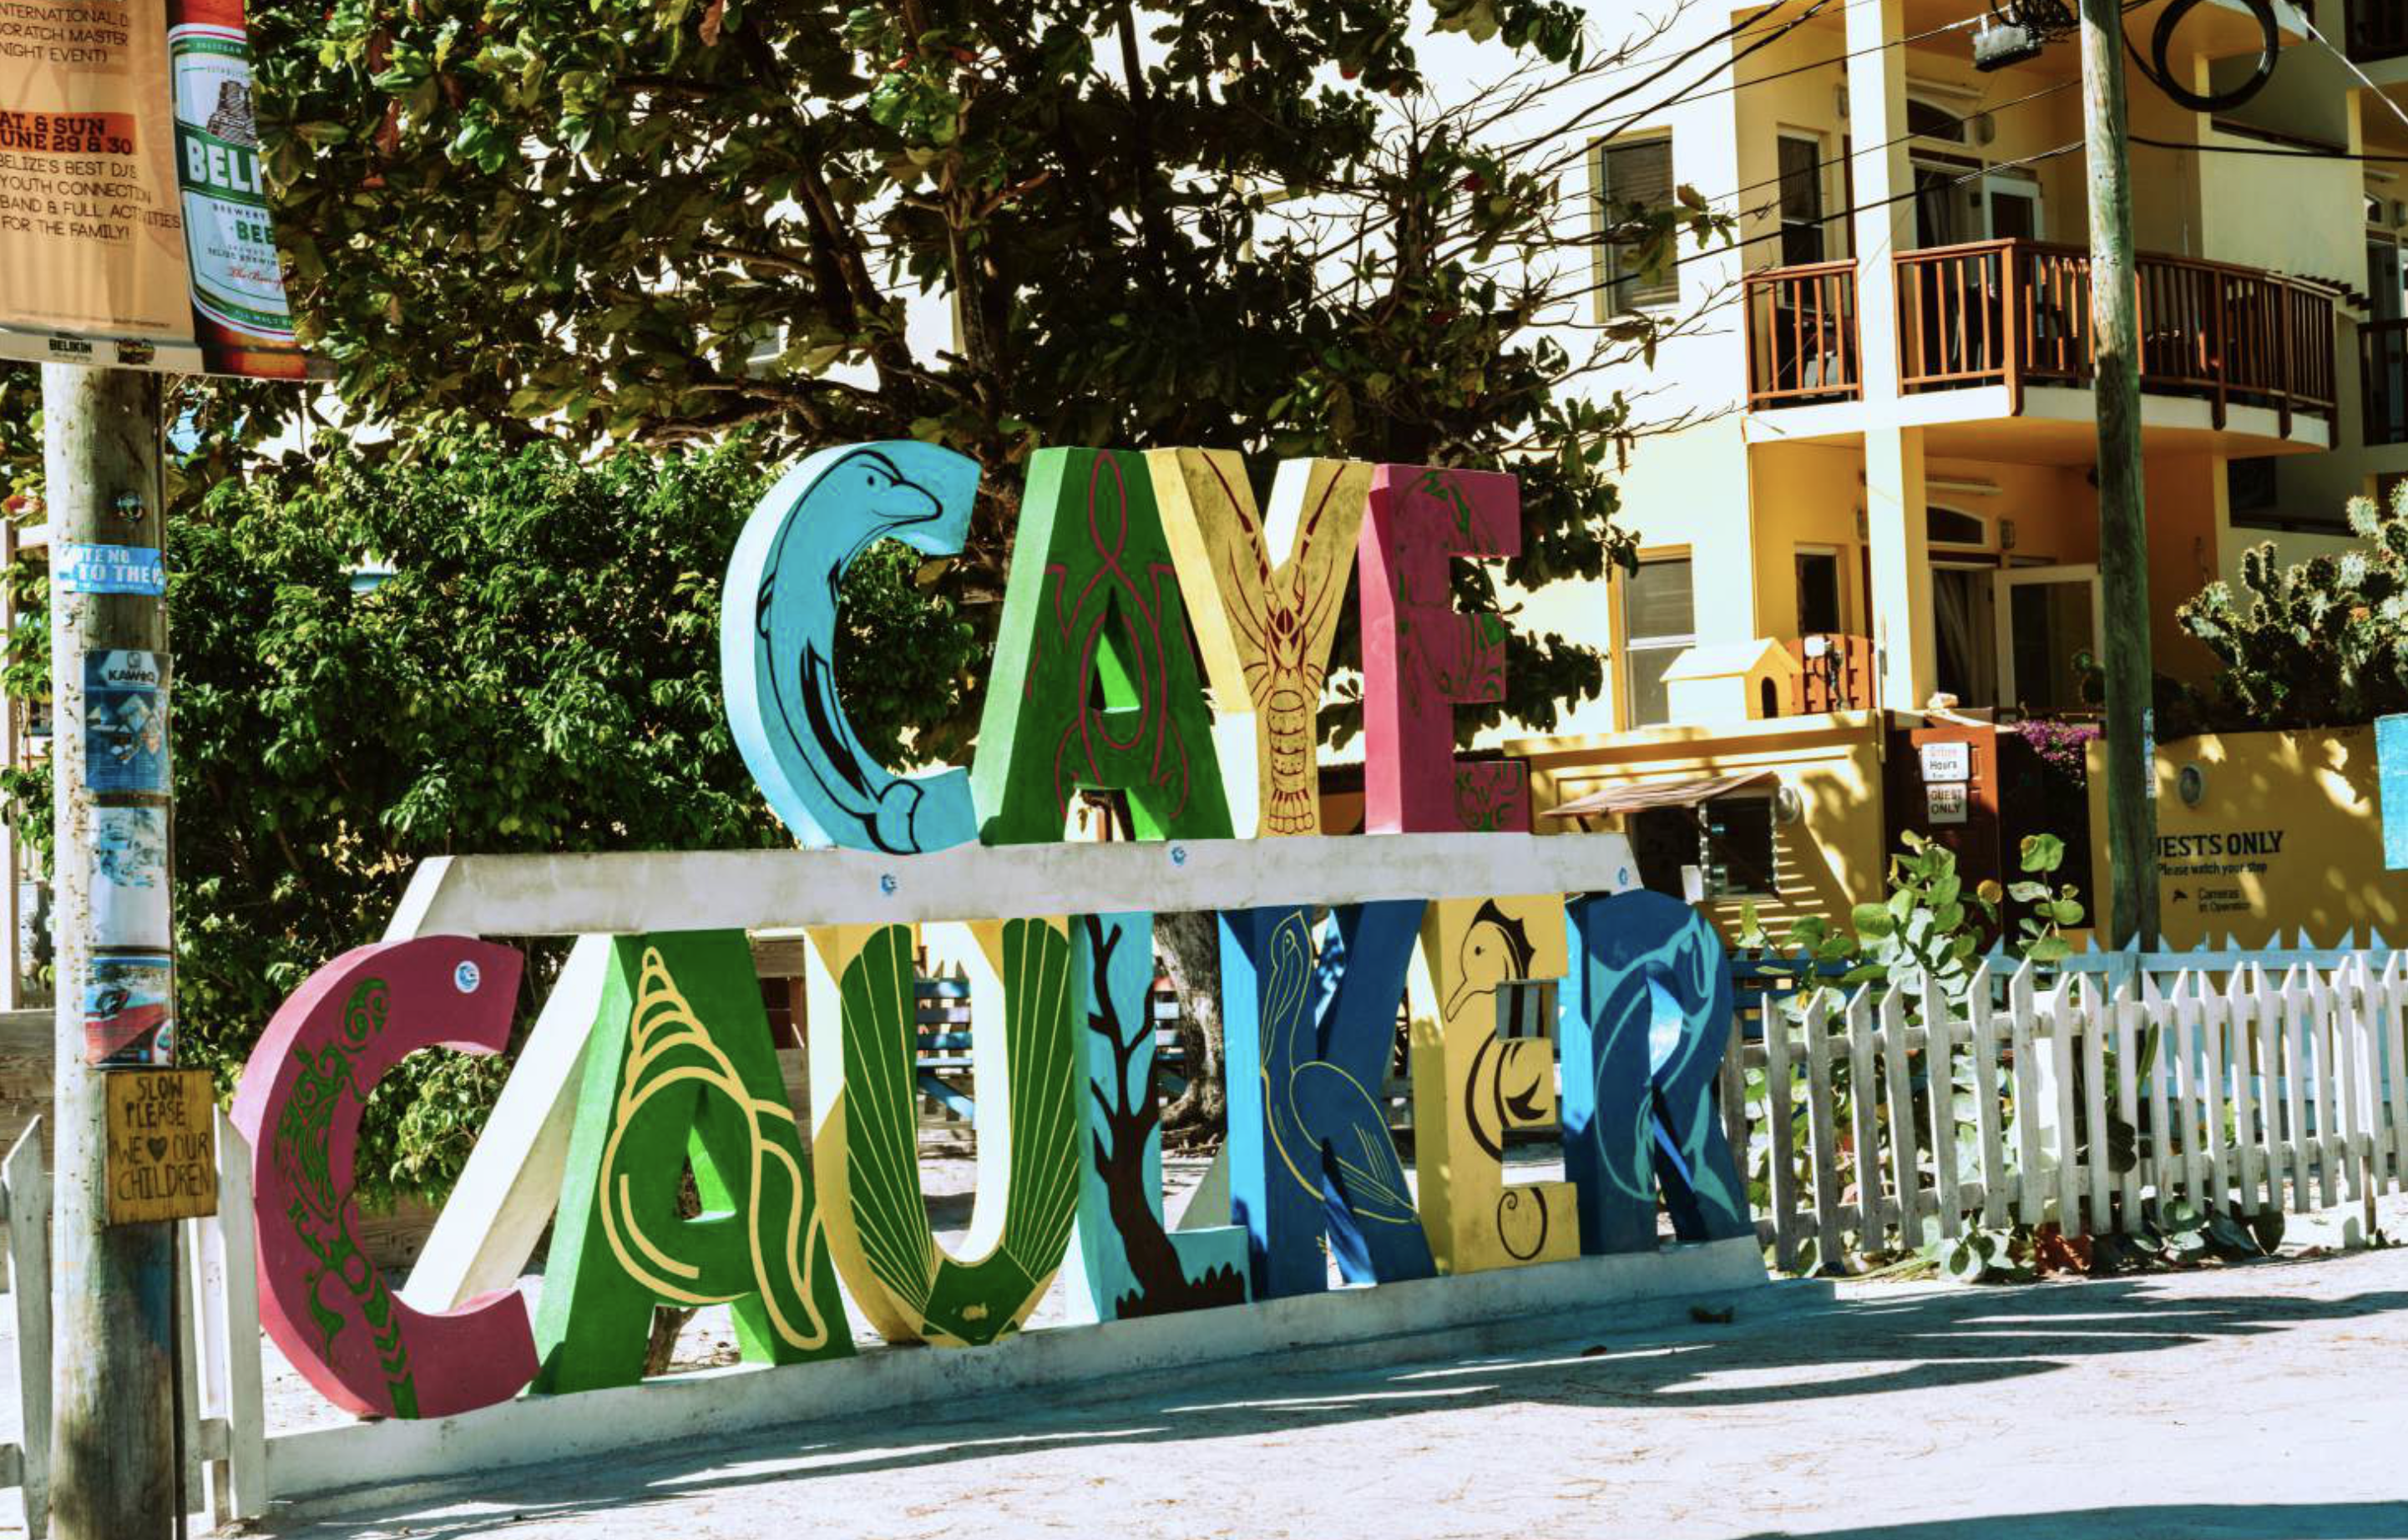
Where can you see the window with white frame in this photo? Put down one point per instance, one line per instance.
(1634, 174)
(1660, 624)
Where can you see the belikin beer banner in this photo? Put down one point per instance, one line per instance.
(1129, 567)
(134, 228)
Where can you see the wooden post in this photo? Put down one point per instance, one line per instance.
(112, 1473)
(2123, 534)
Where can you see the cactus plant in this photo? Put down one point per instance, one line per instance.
(2323, 643)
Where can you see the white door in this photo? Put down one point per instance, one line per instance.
(2048, 622)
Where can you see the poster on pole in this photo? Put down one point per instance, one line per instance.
(126, 721)
(134, 225)
(129, 876)
(127, 1009)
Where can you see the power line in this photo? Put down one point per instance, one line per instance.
(1854, 152)
(1957, 25)
(2266, 150)
(1746, 29)
(1849, 212)
(1573, 124)
(1692, 94)
(2351, 64)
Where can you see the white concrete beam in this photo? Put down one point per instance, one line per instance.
(626, 894)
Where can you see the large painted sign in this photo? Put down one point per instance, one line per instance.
(1129, 569)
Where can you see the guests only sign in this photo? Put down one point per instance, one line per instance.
(1129, 568)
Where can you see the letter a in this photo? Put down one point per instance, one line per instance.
(1094, 682)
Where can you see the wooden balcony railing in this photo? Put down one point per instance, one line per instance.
(2018, 313)
(1801, 334)
(2377, 29)
(1837, 676)
(2383, 377)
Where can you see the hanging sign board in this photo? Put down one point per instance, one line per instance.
(1948, 761)
(162, 1146)
(1944, 803)
(134, 225)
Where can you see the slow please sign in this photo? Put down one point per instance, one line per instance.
(1129, 567)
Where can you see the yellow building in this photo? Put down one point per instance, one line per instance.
(1890, 469)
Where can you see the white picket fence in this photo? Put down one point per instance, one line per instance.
(2272, 1080)
(25, 1210)
(223, 1432)
(2250, 1086)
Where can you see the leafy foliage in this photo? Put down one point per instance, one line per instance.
(2039, 930)
(538, 673)
(1221, 224)
(2175, 1235)
(1932, 926)
(2323, 643)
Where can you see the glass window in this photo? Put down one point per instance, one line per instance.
(1638, 173)
(1819, 592)
(1738, 847)
(1660, 624)
(1954, 526)
(1930, 121)
(2249, 483)
(1802, 199)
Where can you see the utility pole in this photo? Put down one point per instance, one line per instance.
(112, 1472)
(2123, 528)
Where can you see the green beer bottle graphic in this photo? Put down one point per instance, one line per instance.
(239, 314)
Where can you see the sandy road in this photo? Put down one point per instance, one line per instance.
(2264, 1402)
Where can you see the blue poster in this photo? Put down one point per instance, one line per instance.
(126, 721)
(109, 570)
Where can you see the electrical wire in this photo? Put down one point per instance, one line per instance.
(2267, 149)
(2051, 20)
(1685, 93)
(1945, 27)
(2159, 72)
(2068, 148)
(2351, 64)
(1748, 28)
(1853, 152)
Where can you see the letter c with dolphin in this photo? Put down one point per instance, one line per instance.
(776, 642)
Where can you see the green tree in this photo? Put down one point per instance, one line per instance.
(539, 671)
(1226, 224)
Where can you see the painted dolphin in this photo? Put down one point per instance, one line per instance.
(776, 642)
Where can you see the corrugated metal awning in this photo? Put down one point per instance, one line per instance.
(1632, 796)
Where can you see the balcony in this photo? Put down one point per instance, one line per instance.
(2377, 29)
(2018, 314)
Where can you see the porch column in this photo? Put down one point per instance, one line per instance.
(1880, 172)
(1896, 536)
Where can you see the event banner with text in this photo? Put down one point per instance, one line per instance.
(134, 227)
